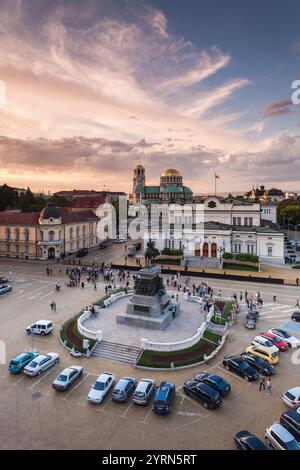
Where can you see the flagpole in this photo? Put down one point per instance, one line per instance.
(215, 185)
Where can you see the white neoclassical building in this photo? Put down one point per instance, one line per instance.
(208, 226)
(53, 232)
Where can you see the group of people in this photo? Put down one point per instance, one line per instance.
(262, 384)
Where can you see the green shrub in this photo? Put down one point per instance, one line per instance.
(247, 257)
(169, 252)
(227, 255)
(168, 261)
(297, 266)
(240, 267)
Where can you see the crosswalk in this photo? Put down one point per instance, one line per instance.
(276, 312)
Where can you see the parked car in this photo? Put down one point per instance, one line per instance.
(101, 387)
(164, 398)
(41, 327)
(295, 316)
(289, 339)
(3, 280)
(216, 382)
(250, 323)
(65, 379)
(4, 288)
(245, 440)
(103, 246)
(292, 397)
(20, 361)
(290, 420)
(143, 392)
(264, 353)
(280, 438)
(252, 315)
(123, 389)
(266, 343)
(241, 367)
(278, 342)
(82, 252)
(120, 239)
(41, 363)
(208, 396)
(258, 363)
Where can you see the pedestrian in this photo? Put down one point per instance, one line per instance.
(95, 286)
(269, 386)
(297, 281)
(297, 304)
(82, 285)
(274, 298)
(262, 382)
(51, 305)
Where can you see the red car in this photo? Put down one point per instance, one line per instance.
(281, 345)
(3, 280)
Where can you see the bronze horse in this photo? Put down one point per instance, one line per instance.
(150, 254)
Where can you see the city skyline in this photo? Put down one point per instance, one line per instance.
(94, 88)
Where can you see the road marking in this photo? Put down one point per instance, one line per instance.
(43, 377)
(31, 292)
(21, 379)
(189, 424)
(126, 411)
(281, 306)
(75, 388)
(46, 295)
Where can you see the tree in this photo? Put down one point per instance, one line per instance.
(27, 201)
(9, 198)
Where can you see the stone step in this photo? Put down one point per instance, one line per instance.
(117, 352)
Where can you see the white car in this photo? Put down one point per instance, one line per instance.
(5, 288)
(280, 438)
(41, 363)
(292, 397)
(41, 327)
(261, 341)
(67, 377)
(101, 387)
(289, 339)
(120, 239)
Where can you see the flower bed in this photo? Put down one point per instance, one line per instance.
(72, 338)
(225, 309)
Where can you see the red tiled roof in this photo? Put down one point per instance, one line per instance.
(67, 214)
(19, 218)
(89, 201)
(77, 192)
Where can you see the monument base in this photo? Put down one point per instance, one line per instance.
(142, 321)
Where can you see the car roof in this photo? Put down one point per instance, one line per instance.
(104, 376)
(284, 435)
(215, 378)
(142, 385)
(42, 322)
(206, 388)
(295, 390)
(40, 357)
(293, 414)
(20, 356)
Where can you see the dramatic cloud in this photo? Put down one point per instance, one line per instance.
(277, 108)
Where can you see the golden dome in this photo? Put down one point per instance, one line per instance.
(171, 172)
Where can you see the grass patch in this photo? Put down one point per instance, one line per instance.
(210, 336)
(71, 337)
(225, 308)
(296, 266)
(179, 358)
(240, 267)
(176, 262)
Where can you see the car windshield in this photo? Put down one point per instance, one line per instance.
(14, 363)
(243, 365)
(284, 333)
(99, 386)
(292, 445)
(139, 394)
(290, 396)
(160, 402)
(62, 378)
(34, 364)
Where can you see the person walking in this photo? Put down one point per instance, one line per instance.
(269, 386)
(297, 304)
(274, 298)
(82, 285)
(262, 382)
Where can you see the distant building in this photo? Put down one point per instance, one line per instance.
(53, 232)
(76, 193)
(262, 194)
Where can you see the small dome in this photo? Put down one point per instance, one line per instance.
(50, 211)
(140, 167)
(171, 172)
(171, 189)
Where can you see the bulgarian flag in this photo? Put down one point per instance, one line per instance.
(216, 176)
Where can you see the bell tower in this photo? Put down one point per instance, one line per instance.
(139, 180)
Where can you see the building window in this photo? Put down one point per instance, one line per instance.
(84, 230)
(7, 233)
(246, 221)
(71, 233)
(270, 251)
(250, 221)
(77, 232)
(26, 250)
(8, 248)
(26, 235)
(42, 235)
(239, 221)
(17, 249)
(51, 236)
(17, 234)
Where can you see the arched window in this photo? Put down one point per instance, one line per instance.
(77, 232)
(71, 233)
(51, 235)
(26, 235)
(7, 233)
(17, 234)
(84, 230)
(42, 235)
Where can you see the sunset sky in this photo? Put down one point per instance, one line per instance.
(95, 87)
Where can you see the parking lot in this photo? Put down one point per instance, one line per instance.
(34, 416)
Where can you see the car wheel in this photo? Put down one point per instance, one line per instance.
(39, 372)
(28, 332)
(227, 367)
(57, 360)
(268, 441)
(246, 378)
(205, 405)
(42, 333)
(294, 319)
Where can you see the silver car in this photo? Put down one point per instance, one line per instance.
(41, 363)
(67, 377)
(279, 438)
(143, 392)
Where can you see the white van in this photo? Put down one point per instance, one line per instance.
(41, 327)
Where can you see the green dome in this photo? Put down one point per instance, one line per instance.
(139, 189)
(187, 190)
(171, 189)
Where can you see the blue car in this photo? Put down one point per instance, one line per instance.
(18, 363)
(164, 398)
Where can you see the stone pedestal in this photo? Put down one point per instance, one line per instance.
(149, 306)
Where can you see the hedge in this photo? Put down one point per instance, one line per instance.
(240, 267)
(169, 261)
(169, 252)
(227, 255)
(247, 257)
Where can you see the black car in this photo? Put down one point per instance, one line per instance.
(240, 367)
(214, 381)
(103, 245)
(290, 420)
(253, 314)
(258, 363)
(203, 393)
(245, 440)
(82, 252)
(296, 316)
(250, 323)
